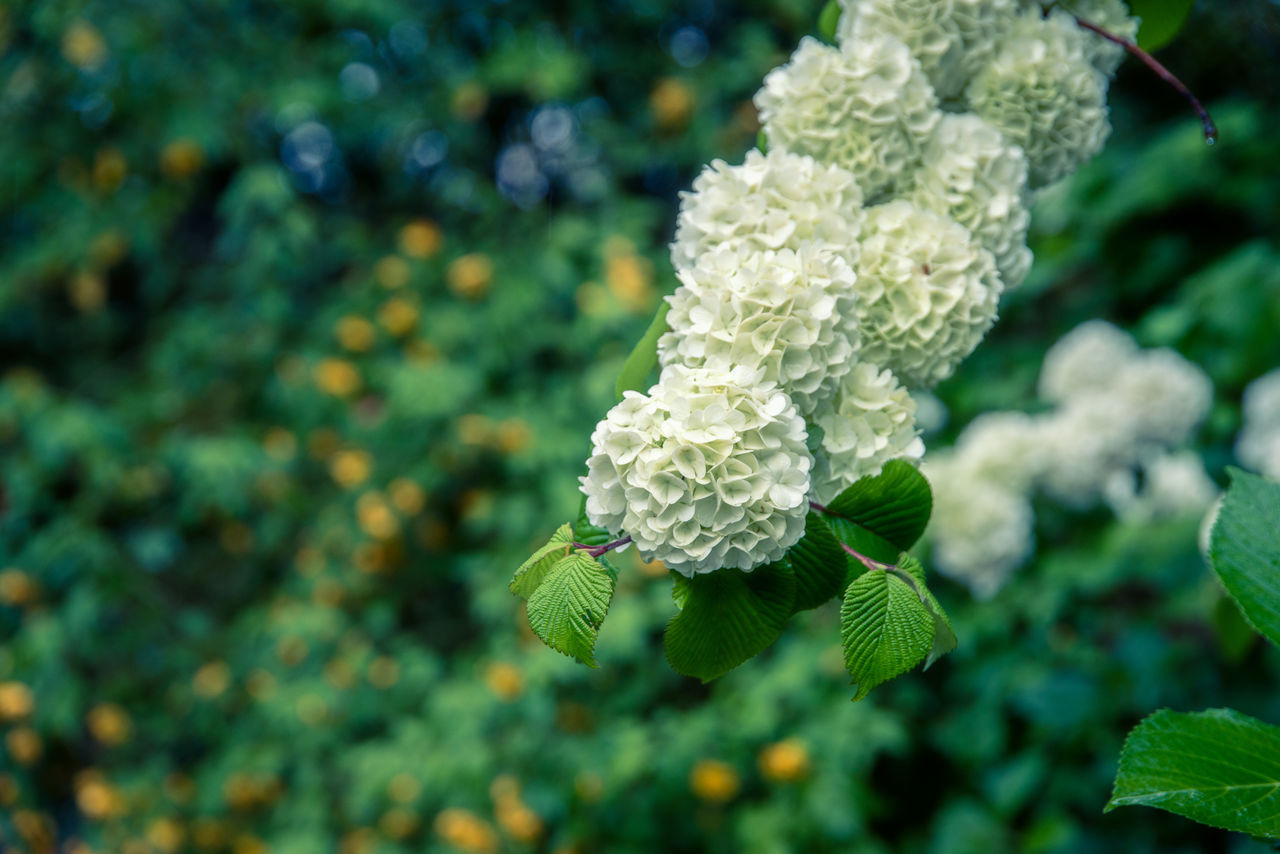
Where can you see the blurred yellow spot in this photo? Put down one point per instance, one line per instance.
(16, 701)
(24, 745)
(291, 650)
(392, 271)
(514, 435)
(337, 377)
(17, 588)
(87, 292)
(475, 429)
(408, 497)
(109, 724)
(108, 247)
(261, 685)
(520, 822)
(785, 761)
(323, 443)
(362, 840)
(466, 831)
(630, 280)
(404, 788)
(469, 101)
(247, 844)
(97, 798)
(280, 444)
(9, 790)
(476, 505)
(421, 239)
(589, 786)
(83, 46)
(328, 593)
(421, 351)
(505, 788)
(312, 709)
(351, 468)
(671, 102)
(398, 316)
(469, 276)
(209, 833)
(398, 823)
(236, 538)
(37, 829)
(166, 834)
(504, 679)
(340, 674)
(211, 679)
(375, 516)
(384, 672)
(354, 333)
(181, 158)
(650, 569)
(109, 170)
(713, 780)
(370, 558)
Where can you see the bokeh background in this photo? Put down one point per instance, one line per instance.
(306, 312)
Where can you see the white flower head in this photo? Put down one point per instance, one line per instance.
(1113, 16)
(708, 470)
(866, 107)
(1084, 360)
(775, 201)
(1172, 485)
(869, 421)
(1258, 444)
(1166, 396)
(1084, 442)
(926, 293)
(1040, 90)
(789, 314)
(1005, 448)
(972, 174)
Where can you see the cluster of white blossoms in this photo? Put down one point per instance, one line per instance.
(862, 257)
(1120, 414)
(1258, 443)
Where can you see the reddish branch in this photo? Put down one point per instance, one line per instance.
(596, 551)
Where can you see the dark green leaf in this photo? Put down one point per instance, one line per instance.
(828, 19)
(1162, 20)
(644, 357)
(566, 610)
(895, 504)
(862, 541)
(535, 569)
(820, 564)
(1245, 550)
(944, 637)
(885, 628)
(586, 533)
(727, 617)
(1217, 767)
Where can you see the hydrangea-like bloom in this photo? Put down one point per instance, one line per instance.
(869, 421)
(974, 175)
(1041, 92)
(1167, 396)
(1258, 445)
(1084, 360)
(708, 470)
(1173, 485)
(1006, 448)
(1113, 16)
(926, 293)
(1084, 442)
(777, 200)
(789, 314)
(866, 107)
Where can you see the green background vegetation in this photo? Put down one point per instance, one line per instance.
(281, 410)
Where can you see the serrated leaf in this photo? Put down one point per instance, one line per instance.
(535, 569)
(862, 541)
(1162, 20)
(828, 20)
(885, 628)
(727, 617)
(1245, 551)
(567, 608)
(819, 564)
(586, 533)
(894, 505)
(944, 636)
(644, 356)
(1217, 767)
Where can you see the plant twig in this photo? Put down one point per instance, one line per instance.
(596, 551)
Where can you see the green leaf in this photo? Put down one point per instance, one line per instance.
(644, 357)
(895, 504)
(820, 564)
(862, 541)
(944, 637)
(1217, 767)
(586, 533)
(1245, 551)
(566, 610)
(1162, 20)
(828, 18)
(886, 629)
(535, 569)
(727, 617)
(762, 142)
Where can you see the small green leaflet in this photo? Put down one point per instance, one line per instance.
(643, 358)
(862, 541)
(567, 608)
(944, 637)
(885, 627)
(828, 19)
(586, 533)
(895, 504)
(727, 617)
(820, 564)
(1246, 553)
(535, 569)
(762, 142)
(1162, 20)
(1217, 767)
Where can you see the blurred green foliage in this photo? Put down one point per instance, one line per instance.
(306, 311)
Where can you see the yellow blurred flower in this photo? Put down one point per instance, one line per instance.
(24, 745)
(249, 844)
(87, 292)
(504, 679)
(469, 276)
(166, 834)
(354, 333)
(211, 679)
(280, 444)
(475, 429)
(209, 833)
(109, 170)
(398, 316)
(261, 684)
(83, 46)
(630, 280)
(17, 588)
(466, 831)
(337, 377)
(392, 271)
(9, 790)
(713, 780)
(97, 798)
(109, 724)
(421, 239)
(351, 467)
(514, 435)
(362, 840)
(398, 823)
(376, 517)
(404, 788)
(16, 701)
(408, 497)
(339, 673)
(785, 761)
(469, 101)
(671, 102)
(181, 158)
(520, 822)
(384, 672)
(37, 829)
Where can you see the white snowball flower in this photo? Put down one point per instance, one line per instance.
(926, 293)
(1172, 485)
(1258, 444)
(972, 174)
(777, 200)
(789, 314)
(1084, 442)
(869, 421)
(1041, 92)
(1084, 360)
(708, 470)
(980, 532)
(1113, 16)
(1166, 396)
(866, 107)
(1004, 448)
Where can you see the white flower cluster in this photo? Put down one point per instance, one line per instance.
(862, 256)
(1121, 413)
(1258, 443)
